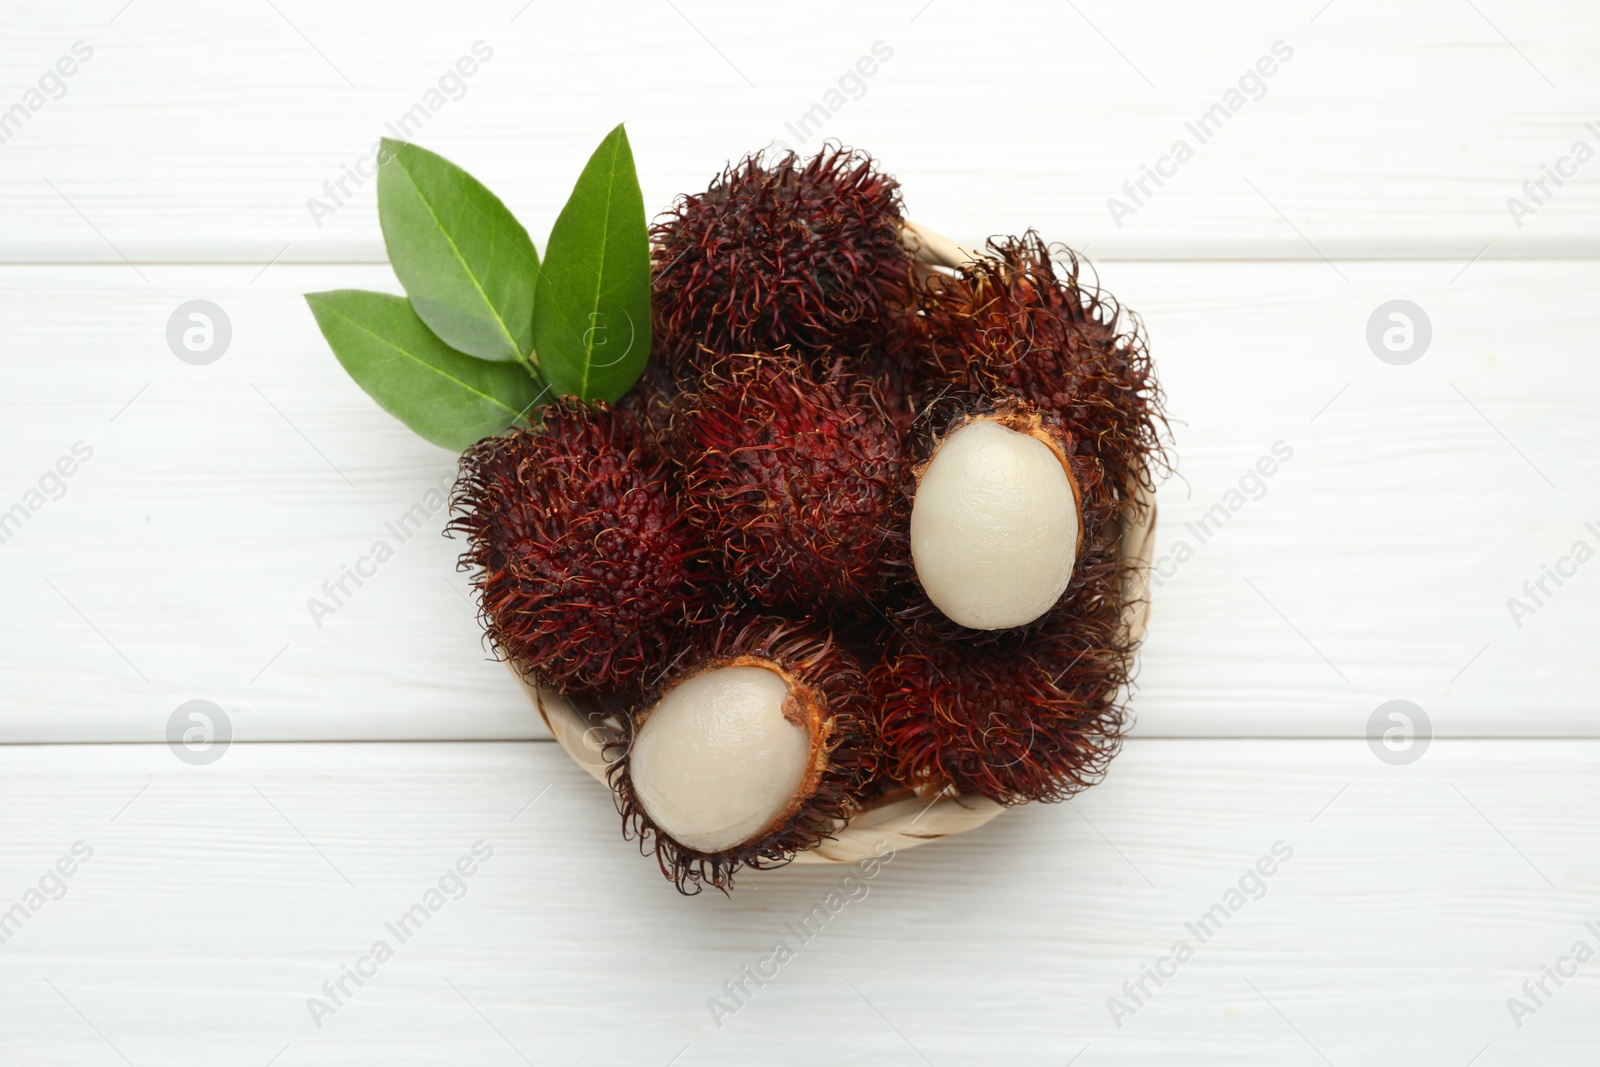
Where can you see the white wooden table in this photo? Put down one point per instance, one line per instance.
(1410, 898)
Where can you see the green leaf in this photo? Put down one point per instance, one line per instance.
(591, 327)
(447, 397)
(466, 263)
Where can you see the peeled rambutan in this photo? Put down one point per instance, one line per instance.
(754, 749)
(788, 252)
(996, 520)
(1028, 320)
(795, 478)
(588, 577)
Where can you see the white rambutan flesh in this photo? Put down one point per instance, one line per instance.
(994, 525)
(721, 758)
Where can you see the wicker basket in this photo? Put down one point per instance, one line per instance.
(901, 818)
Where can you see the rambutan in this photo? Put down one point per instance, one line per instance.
(588, 577)
(1034, 717)
(796, 252)
(1029, 320)
(795, 478)
(995, 523)
(753, 750)
(650, 400)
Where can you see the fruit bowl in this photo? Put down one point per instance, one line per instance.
(897, 817)
(809, 531)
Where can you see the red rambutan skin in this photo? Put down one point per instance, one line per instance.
(792, 252)
(588, 578)
(1031, 714)
(1029, 321)
(1005, 725)
(650, 400)
(827, 682)
(795, 479)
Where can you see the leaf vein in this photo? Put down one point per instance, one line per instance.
(455, 250)
(474, 390)
(600, 272)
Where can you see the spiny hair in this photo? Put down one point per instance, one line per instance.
(1033, 713)
(809, 656)
(588, 578)
(786, 251)
(796, 478)
(1030, 320)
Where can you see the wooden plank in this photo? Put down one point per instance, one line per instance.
(1377, 563)
(204, 132)
(1403, 907)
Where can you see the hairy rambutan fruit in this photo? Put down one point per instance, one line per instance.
(1034, 719)
(1031, 713)
(787, 252)
(587, 575)
(796, 478)
(650, 400)
(750, 753)
(1028, 320)
(995, 518)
